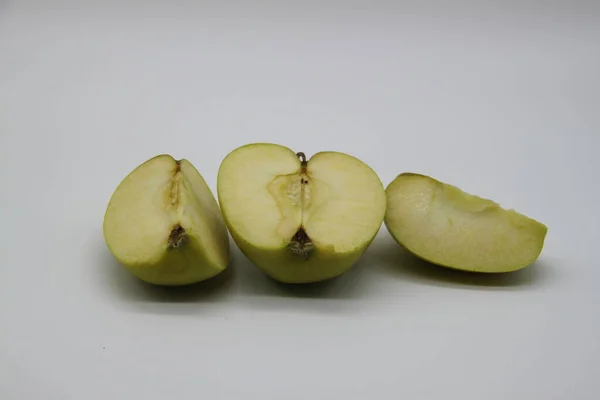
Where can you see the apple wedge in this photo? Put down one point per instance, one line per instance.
(299, 220)
(442, 224)
(164, 224)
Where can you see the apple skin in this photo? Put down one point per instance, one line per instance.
(283, 266)
(186, 264)
(538, 231)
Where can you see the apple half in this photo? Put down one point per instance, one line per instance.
(300, 220)
(442, 224)
(164, 225)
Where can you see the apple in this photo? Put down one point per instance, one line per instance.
(442, 224)
(299, 220)
(163, 224)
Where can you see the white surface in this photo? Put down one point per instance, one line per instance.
(500, 99)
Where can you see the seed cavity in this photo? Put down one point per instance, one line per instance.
(300, 244)
(173, 186)
(177, 237)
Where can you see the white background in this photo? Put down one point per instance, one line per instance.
(500, 98)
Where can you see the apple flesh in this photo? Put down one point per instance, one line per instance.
(164, 224)
(300, 220)
(442, 224)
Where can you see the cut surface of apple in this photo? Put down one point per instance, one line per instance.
(300, 220)
(164, 225)
(446, 226)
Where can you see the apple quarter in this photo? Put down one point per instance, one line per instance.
(164, 224)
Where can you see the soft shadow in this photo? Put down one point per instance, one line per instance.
(345, 294)
(350, 285)
(396, 261)
(126, 287)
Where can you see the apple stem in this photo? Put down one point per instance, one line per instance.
(302, 158)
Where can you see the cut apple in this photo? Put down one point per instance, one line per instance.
(164, 225)
(300, 220)
(446, 226)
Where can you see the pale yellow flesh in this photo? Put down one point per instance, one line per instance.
(150, 202)
(446, 226)
(340, 205)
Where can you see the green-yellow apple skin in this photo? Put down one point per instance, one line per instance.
(446, 226)
(299, 220)
(164, 225)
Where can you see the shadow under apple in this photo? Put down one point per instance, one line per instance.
(254, 282)
(129, 288)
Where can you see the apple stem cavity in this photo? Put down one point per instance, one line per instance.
(177, 236)
(301, 245)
